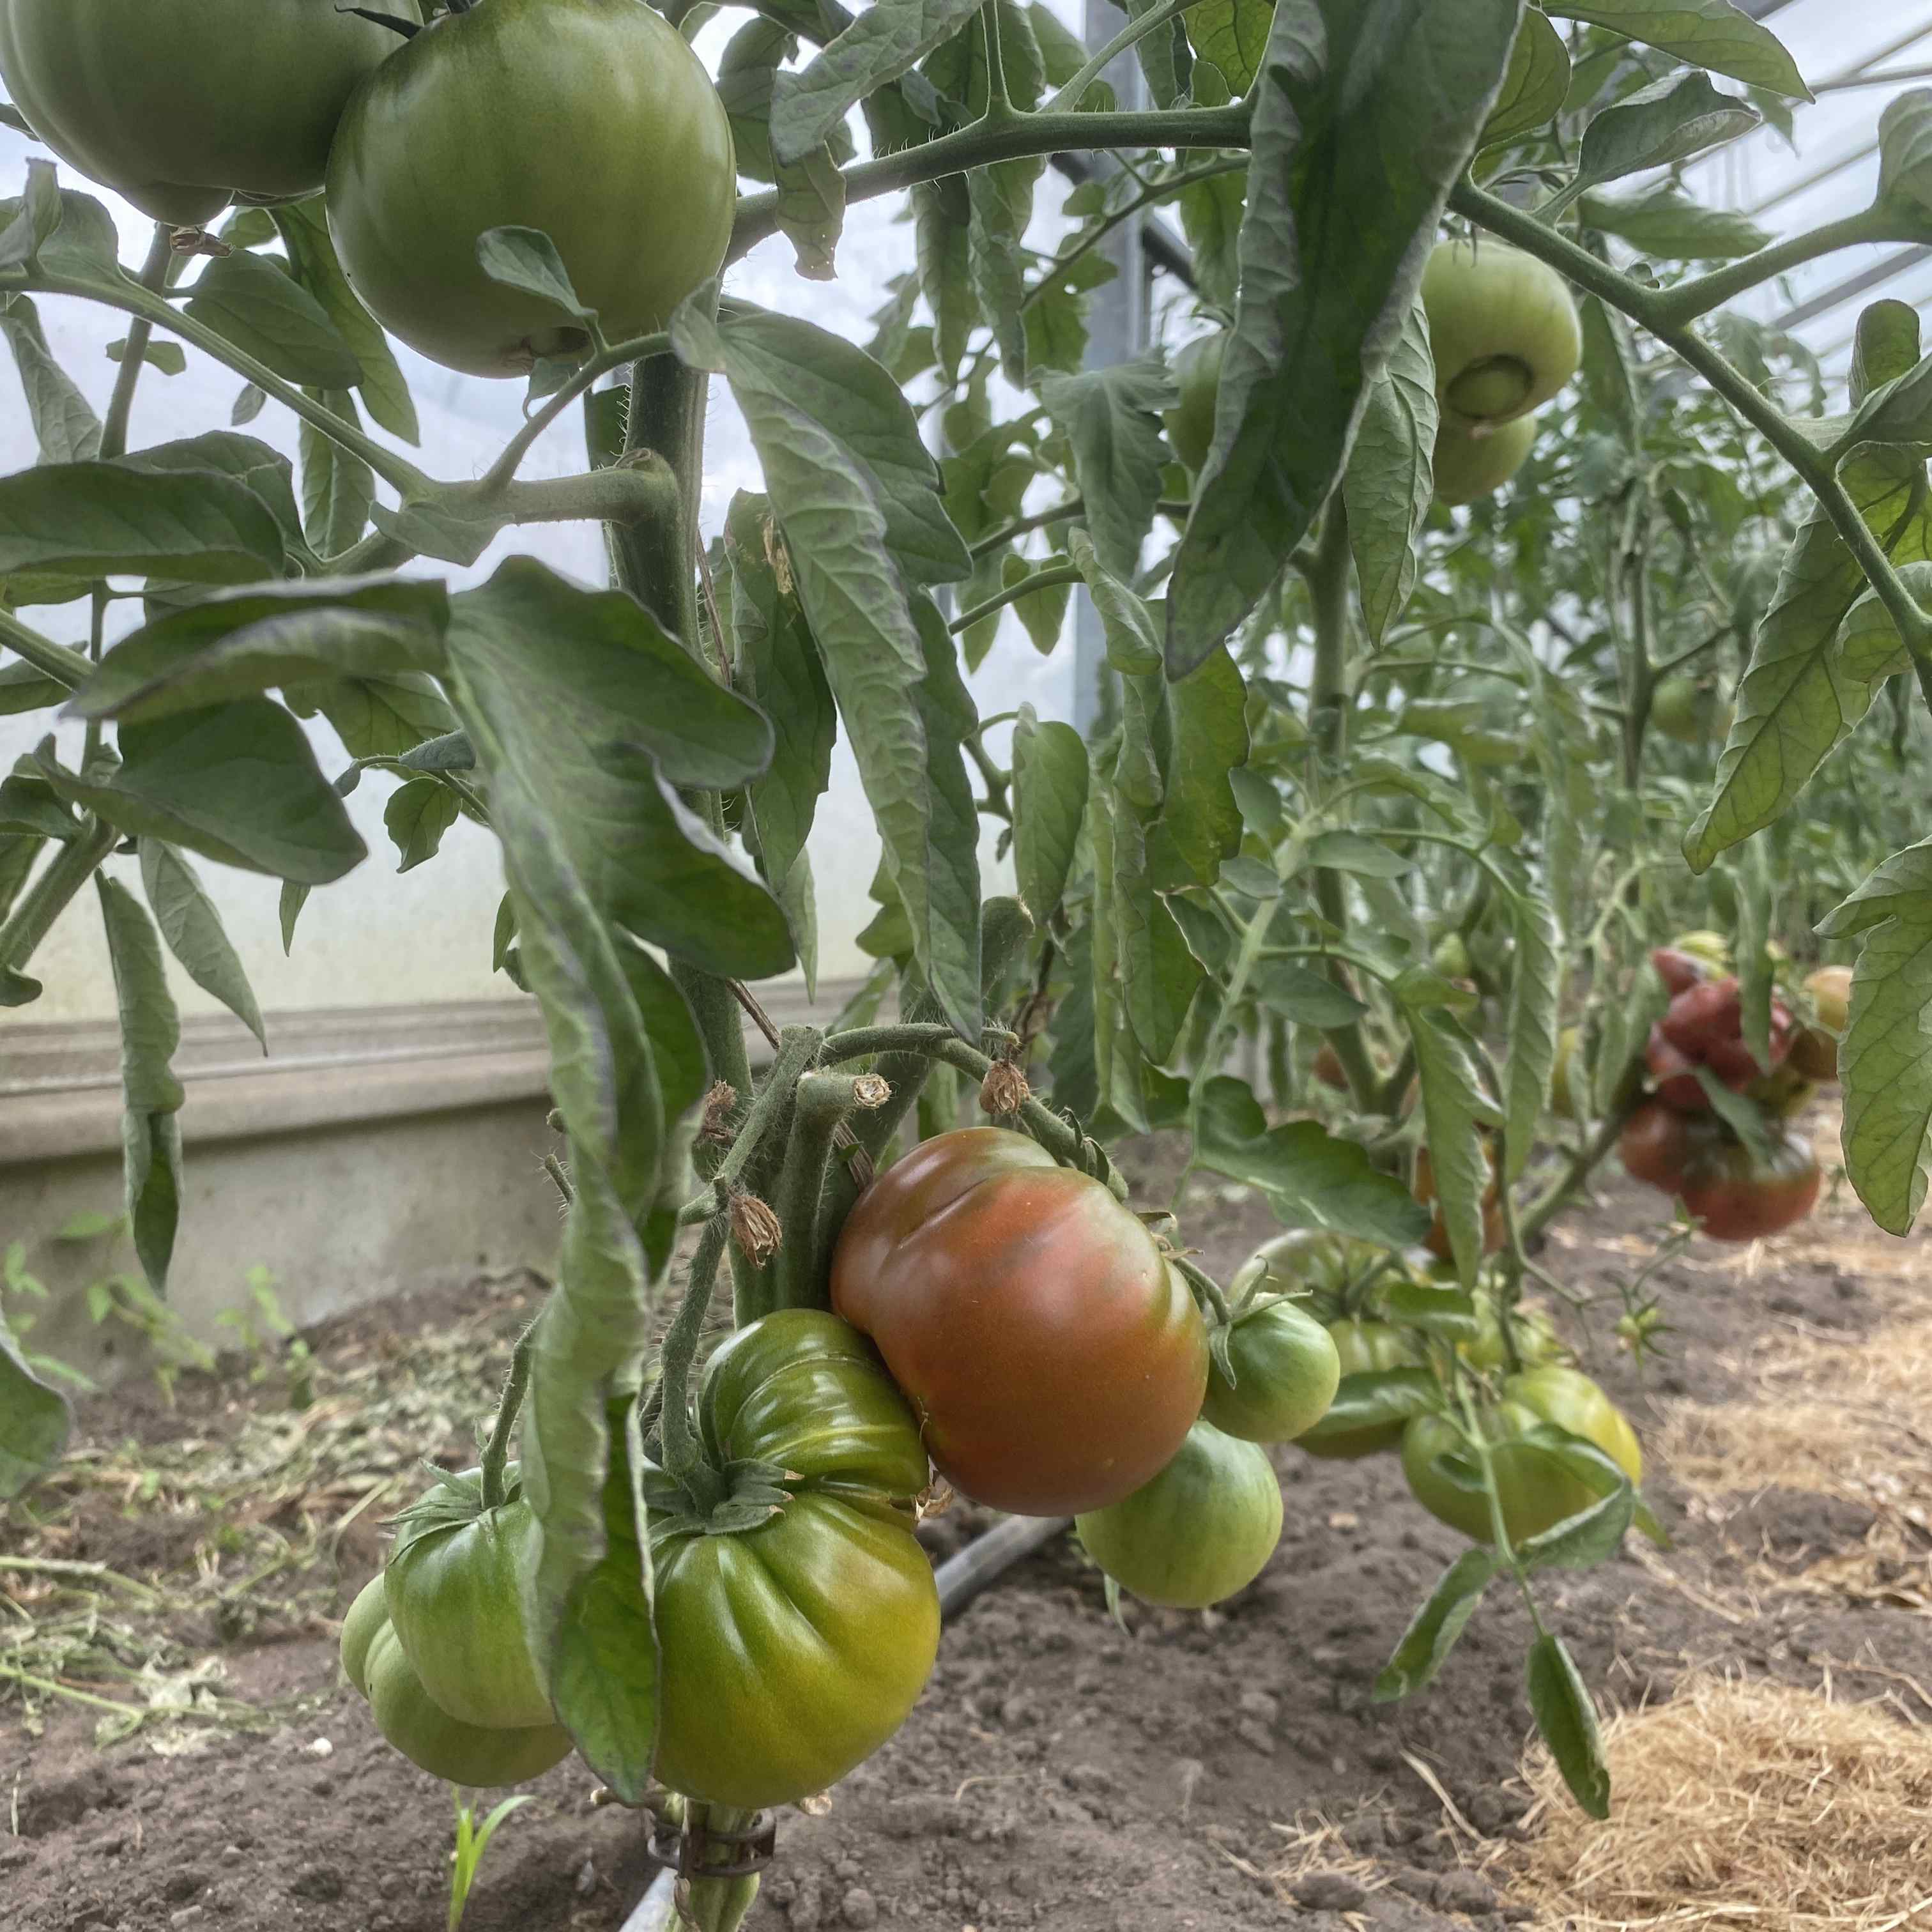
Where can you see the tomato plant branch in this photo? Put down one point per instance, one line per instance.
(682, 1458)
(1578, 1168)
(64, 666)
(1058, 265)
(1059, 1137)
(153, 277)
(497, 1450)
(1138, 28)
(640, 348)
(1327, 574)
(50, 894)
(1686, 301)
(1048, 579)
(823, 1104)
(1058, 513)
(1204, 1286)
(798, 1049)
(980, 143)
(132, 300)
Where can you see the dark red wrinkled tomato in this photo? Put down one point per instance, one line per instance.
(1655, 1143)
(1055, 1359)
(1739, 1198)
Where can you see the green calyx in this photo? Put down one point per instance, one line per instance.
(713, 1500)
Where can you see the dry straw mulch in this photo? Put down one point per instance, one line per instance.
(1745, 1805)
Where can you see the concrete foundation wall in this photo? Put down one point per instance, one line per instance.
(377, 1150)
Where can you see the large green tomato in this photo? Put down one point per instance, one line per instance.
(181, 105)
(1054, 1354)
(590, 120)
(1537, 1492)
(1502, 328)
(453, 1597)
(413, 1721)
(1285, 1370)
(1467, 467)
(793, 1648)
(1362, 1348)
(1200, 1530)
(1197, 375)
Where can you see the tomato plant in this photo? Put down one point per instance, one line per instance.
(1197, 1531)
(1359, 868)
(1055, 1357)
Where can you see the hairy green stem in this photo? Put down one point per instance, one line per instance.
(682, 1456)
(497, 1450)
(1049, 579)
(981, 142)
(798, 1047)
(1677, 306)
(1327, 572)
(51, 894)
(1138, 28)
(55, 661)
(822, 1103)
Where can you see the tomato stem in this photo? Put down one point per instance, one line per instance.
(682, 1458)
(497, 1450)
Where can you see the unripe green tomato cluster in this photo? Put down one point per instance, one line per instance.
(1535, 1491)
(591, 121)
(181, 106)
(1504, 333)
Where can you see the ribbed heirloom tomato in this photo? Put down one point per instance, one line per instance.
(793, 1648)
(181, 105)
(590, 120)
(1536, 1491)
(1201, 1529)
(1054, 1357)
(1737, 1196)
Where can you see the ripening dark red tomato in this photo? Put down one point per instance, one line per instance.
(1704, 1027)
(1054, 1357)
(1738, 1197)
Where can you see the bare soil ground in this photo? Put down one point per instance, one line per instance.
(1223, 1770)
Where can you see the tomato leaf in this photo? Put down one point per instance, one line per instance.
(239, 643)
(255, 304)
(1536, 997)
(338, 487)
(34, 1420)
(1534, 87)
(1664, 223)
(304, 228)
(1373, 1398)
(943, 216)
(1311, 1178)
(1669, 120)
(1389, 483)
(1434, 1629)
(65, 427)
(1711, 34)
(23, 688)
(883, 42)
(1566, 1721)
(93, 520)
(1111, 418)
(1050, 783)
(526, 260)
(1362, 122)
(1159, 975)
(855, 494)
(1232, 33)
(601, 714)
(1433, 1306)
(1454, 1107)
(1813, 674)
(1885, 1062)
(419, 812)
(150, 1033)
(195, 934)
(778, 667)
(1581, 1541)
(237, 782)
